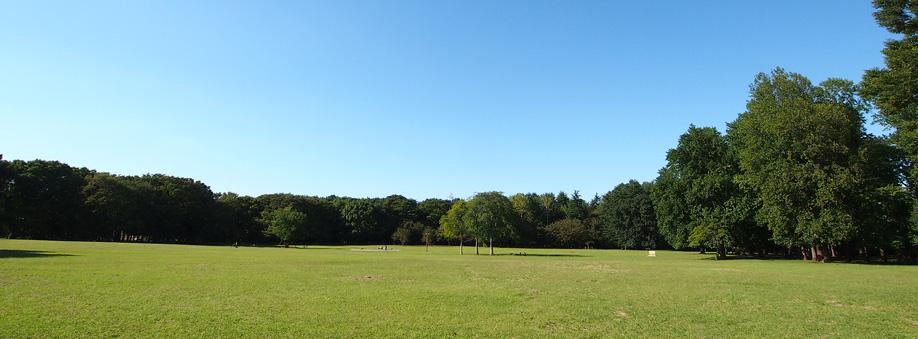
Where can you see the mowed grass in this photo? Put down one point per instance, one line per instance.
(80, 289)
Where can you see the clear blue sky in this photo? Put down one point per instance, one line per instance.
(420, 98)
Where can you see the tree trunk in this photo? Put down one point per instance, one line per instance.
(701, 250)
(803, 251)
(491, 245)
(460, 246)
(476, 246)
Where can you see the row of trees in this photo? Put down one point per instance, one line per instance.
(797, 169)
(51, 200)
(795, 174)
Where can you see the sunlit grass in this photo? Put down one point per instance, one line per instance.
(70, 289)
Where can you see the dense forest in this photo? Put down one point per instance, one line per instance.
(796, 174)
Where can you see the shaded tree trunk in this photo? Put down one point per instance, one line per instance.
(460, 246)
(491, 245)
(476, 246)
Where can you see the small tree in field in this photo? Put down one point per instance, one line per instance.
(453, 225)
(283, 223)
(402, 235)
(428, 236)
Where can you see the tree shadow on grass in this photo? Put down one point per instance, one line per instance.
(30, 254)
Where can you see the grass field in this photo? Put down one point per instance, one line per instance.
(69, 289)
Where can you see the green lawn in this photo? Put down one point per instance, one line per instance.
(70, 289)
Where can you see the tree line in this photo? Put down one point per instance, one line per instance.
(52, 200)
(796, 174)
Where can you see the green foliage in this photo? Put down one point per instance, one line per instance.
(627, 216)
(283, 223)
(672, 210)
(360, 216)
(529, 211)
(567, 233)
(898, 16)
(697, 202)
(408, 232)
(431, 210)
(453, 225)
(402, 235)
(796, 144)
(490, 215)
(894, 91)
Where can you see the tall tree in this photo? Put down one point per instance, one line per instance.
(566, 233)
(453, 224)
(529, 212)
(360, 216)
(283, 223)
(627, 214)
(490, 216)
(696, 200)
(46, 200)
(575, 207)
(797, 144)
(431, 210)
(894, 88)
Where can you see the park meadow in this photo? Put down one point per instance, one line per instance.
(92, 289)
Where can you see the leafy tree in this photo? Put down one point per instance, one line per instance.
(550, 209)
(490, 215)
(431, 210)
(883, 209)
(283, 223)
(567, 233)
(529, 212)
(397, 209)
(46, 200)
(113, 204)
(894, 88)
(239, 216)
(627, 216)
(575, 207)
(402, 235)
(408, 232)
(796, 145)
(696, 200)
(360, 216)
(453, 224)
(672, 209)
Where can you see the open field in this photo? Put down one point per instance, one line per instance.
(68, 289)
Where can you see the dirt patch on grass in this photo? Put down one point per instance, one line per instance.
(368, 277)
